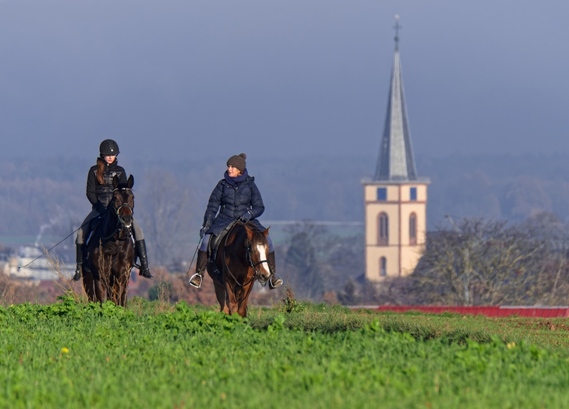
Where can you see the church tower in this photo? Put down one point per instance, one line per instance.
(396, 199)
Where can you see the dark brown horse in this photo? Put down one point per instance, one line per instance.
(110, 251)
(240, 260)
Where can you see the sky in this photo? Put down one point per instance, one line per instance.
(185, 79)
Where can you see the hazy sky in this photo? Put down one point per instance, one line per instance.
(193, 78)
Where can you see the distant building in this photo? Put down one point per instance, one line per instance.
(396, 199)
(29, 263)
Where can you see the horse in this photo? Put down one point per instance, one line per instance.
(110, 251)
(239, 260)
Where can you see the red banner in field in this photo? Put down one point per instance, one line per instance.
(499, 311)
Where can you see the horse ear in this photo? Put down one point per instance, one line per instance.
(266, 232)
(249, 233)
(130, 182)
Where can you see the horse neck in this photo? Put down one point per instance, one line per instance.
(239, 245)
(110, 222)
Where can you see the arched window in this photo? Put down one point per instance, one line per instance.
(382, 267)
(413, 229)
(383, 225)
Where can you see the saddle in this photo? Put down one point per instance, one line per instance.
(93, 223)
(213, 246)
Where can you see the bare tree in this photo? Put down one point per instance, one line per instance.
(165, 212)
(479, 262)
(302, 267)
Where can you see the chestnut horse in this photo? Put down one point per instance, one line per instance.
(240, 260)
(110, 251)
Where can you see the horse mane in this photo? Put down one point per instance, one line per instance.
(239, 228)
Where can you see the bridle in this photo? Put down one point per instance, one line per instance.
(121, 218)
(252, 264)
(121, 222)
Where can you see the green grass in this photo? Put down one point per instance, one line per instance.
(152, 355)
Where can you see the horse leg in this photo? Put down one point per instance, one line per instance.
(242, 308)
(120, 286)
(124, 287)
(220, 294)
(95, 289)
(99, 290)
(101, 273)
(88, 286)
(112, 287)
(231, 299)
(115, 286)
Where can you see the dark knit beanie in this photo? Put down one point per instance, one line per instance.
(238, 162)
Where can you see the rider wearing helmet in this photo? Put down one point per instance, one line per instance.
(100, 192)
(235, 197)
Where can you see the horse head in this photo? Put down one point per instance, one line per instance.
(257, 250)
(123, 201)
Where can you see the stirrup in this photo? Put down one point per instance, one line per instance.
(275, 281)
(198, 278)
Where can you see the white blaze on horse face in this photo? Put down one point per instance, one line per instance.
(263, 267)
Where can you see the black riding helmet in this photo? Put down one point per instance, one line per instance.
(108, 148)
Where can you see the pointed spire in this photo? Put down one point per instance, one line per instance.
(396, 161)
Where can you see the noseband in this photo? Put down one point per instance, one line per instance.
(250, 261)
(121, 217)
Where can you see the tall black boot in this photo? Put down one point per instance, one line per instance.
(274, 280)
(197, 278)
(140, 251)
(79, 261)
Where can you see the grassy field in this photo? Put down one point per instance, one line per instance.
(295, 355)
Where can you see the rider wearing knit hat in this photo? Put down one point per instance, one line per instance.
(235, 197)
(238, 162)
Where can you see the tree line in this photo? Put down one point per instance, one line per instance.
(477, 261)
(504, 195)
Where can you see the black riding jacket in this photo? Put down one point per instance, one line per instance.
(233, 197)
(103, 193)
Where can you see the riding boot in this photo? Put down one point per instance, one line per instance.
(79, 260)
(274, 279)
(140, 251)
(197, 278)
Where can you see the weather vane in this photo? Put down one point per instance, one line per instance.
(397, 26)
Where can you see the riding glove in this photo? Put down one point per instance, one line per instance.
(245, 217)
(202, 231)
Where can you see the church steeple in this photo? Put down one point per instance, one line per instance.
(395, 200)
(396, 161)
